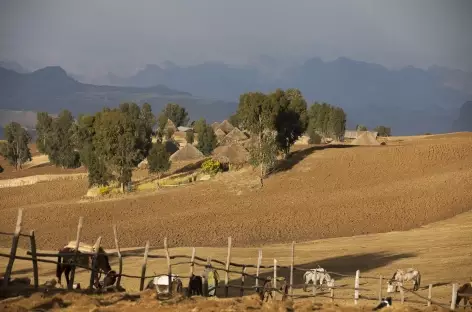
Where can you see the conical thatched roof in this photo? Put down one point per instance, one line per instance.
(220, 134)
(235, 135)
(226, 126)
(188, 152)
(215, 125)
(170, 124)
(232, 154)
(366, 138)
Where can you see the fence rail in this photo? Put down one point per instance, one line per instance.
(193, 260)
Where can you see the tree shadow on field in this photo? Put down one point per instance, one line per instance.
(297, 156)
(345, 265)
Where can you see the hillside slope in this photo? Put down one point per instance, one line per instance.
(320, 193)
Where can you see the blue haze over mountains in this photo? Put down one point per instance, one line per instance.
(409, 100)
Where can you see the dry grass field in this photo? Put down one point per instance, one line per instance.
(369, 208)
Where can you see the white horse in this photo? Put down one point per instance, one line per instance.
(161, 283)
(401, 276)
(315, 275)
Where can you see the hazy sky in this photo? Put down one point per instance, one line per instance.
(92, 36)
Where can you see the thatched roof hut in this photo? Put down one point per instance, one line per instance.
(234, 154)
(215, 125)
(188, 152)
(170, 124)
(220, 134)
(226, 126)
(235, 135)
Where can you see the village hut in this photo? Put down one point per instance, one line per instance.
(232, 155)
(234, 136)
(366, 138)
(215, 125)
(171, 147)
(188, 152)
(220, 134)
(170, 125)
(226, 126)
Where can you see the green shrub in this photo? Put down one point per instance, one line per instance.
(211, 167)
(104, 190)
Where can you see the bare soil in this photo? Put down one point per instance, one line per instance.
(320, 192)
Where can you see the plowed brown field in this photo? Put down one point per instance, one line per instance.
(319, 193)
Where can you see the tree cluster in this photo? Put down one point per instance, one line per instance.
(326, 120)
(383, 131)
(15, 150)
(110, 144)
(276, 120)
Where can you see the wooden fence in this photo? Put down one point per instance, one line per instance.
(192, 261)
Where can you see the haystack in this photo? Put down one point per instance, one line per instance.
(366, 138)
(188, 152)
(234, 136)
(226, 126)
(234, 154)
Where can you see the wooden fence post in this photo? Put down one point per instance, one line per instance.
(169, 267)
(120, 259)
(332, 295)
(143, 267)
(34, 259)
(243, 277)
(430, 291)
(94, 262)
(315, 282)
(291, 268)
(76, 253)
(14, 247)
(192, 261)
(380, 288)
(356, 287)
(258, 268)
(274, 282)
(454, 296)
(228, 260)
(402, 295)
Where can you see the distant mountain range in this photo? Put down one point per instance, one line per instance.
(464, 122)
(410, 100)
(51, 89)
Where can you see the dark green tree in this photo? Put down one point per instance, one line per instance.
(189, 137)
(361, 128)
(207, 140)
(292, 118)
(199, 125)
(258, 114)
(177, 114)
(337, 122)
(16, 149)
(161, 126)
(158, 159)
(43, 131)
(61, 145)
(383, 131)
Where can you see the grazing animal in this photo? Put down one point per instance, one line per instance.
(195, 285)
(109, 280)
(161, 283)
(315, 275)
(465, 289)
(386, 302)
(400, 276)
(266, 291)
(83, 259)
